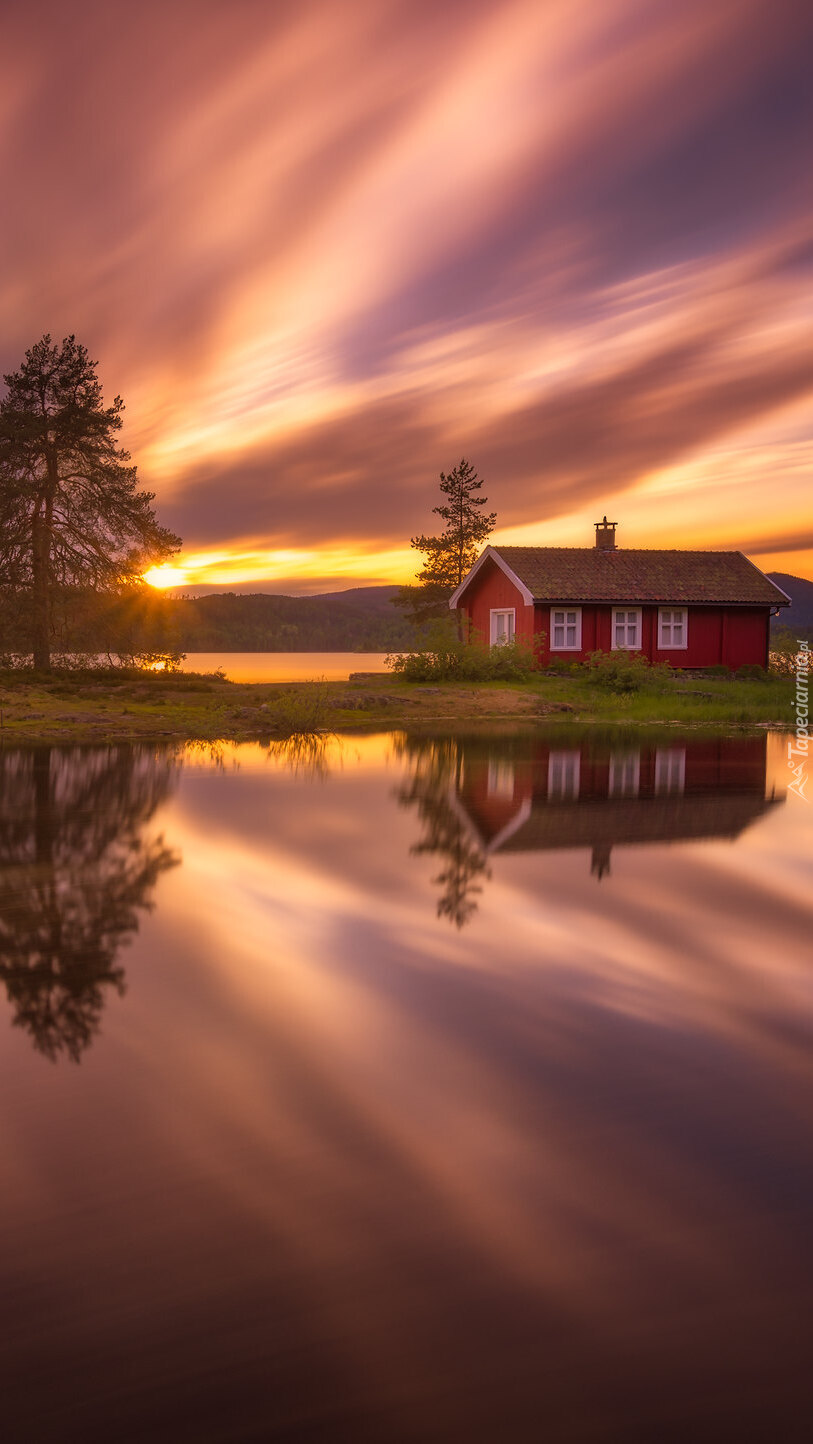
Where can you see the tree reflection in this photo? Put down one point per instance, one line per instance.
(75, 873)
(432, 787)
(306, 754)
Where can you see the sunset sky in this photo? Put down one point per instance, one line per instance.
(323, 250)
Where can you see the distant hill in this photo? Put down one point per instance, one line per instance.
(361, 619)
(799, 615)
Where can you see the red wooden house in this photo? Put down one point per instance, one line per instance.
(530, 794)
(690, 609)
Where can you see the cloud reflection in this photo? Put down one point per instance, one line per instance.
(368, 1166)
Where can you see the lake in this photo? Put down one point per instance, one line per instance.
(285, 666)
(407, 1087)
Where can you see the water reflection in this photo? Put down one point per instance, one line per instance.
(75, 873)
(306, 754)
(341, 1171)
(477, 796)
(434, 779)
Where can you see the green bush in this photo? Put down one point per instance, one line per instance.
(624, 671)
(302, 710)
(718, 669)
(561, 667)
(445, 658)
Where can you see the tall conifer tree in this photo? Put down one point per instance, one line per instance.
(449, 556)
(71, 514)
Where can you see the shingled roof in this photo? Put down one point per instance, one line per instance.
(593, 574)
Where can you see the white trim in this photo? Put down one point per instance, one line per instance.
(501, 781)
(673, 646)
(464, 816)
(495, 612)
(559, 761)
(625, 767)
(565, 610)
(626, 612)
(517, 821)
(670, 770)
(768, 580)
(491, 554)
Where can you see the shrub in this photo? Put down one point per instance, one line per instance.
(445, 658)
(718, 669)
(303, 710)
(560, 667)
(620, 671)
(751, 672)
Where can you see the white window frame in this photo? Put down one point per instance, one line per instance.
(564, 768)
(564, 613)
(671, 612)
(670, 770)
(502, 781)
(625, 774)
(502, 612)
(626, 612)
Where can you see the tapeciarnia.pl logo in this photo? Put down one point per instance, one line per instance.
(798, 749)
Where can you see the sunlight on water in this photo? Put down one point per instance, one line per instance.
(285, 666)
(429, 1087)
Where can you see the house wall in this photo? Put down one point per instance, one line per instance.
(733, 636)
(713, 766)
(491, 589)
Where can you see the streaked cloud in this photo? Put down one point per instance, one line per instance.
(324, 250)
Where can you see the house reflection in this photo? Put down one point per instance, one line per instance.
(600, 795)
(481, 796)
(76, 870)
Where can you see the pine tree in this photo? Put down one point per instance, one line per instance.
(450, 556)
(71, 515)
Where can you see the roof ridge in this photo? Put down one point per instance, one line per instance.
(625, 551)
(635, 574)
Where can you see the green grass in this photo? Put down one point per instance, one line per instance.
(678, 698)
(104, 706)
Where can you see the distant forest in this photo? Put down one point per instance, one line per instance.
(362, 619)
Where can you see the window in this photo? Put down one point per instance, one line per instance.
(672, 628)
(625, 773)
(565, 629)
(500, 778)
(670, 769)
(627, 629)
(563, 775)
(502, 627)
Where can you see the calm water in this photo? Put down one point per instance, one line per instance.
(406, 1089)
(285, 666)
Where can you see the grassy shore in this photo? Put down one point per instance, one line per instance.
(105, 706)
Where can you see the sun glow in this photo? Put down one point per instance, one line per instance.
(269, 567)
(165, 576)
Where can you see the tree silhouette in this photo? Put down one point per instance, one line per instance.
(435, 776)
(72, 516)
(448, 558)
(75, 873)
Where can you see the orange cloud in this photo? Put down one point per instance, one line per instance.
(332, 249)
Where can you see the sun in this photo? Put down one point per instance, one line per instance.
(165, 576)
